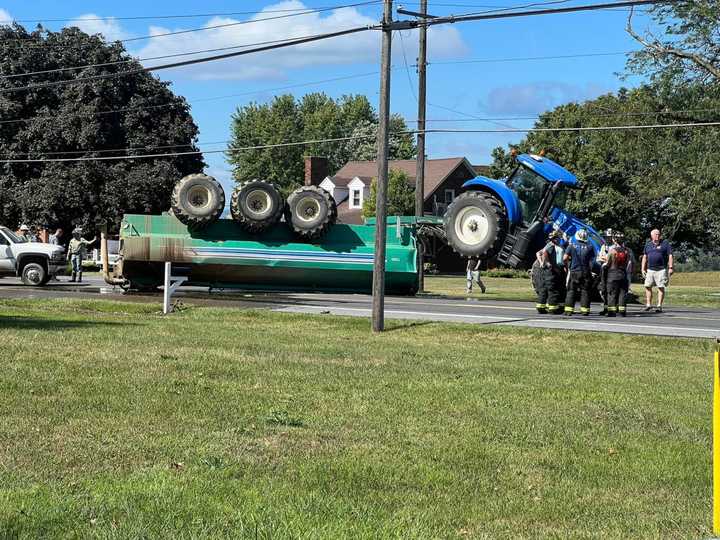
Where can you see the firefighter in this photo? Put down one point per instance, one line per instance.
(579, 257)
(620, 267)
(552, 275)
(601, 261)
(76, 253)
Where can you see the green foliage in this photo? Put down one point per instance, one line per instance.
(637, 180)
(63, 119)
(400, 196)
(313, 117)
(689, 47)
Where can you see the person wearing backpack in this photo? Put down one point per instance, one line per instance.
(580, 257)
(619, 263)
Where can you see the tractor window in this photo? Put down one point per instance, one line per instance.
(530, 189)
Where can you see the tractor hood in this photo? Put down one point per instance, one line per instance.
(548, 169)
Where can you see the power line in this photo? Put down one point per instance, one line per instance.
(193, 101)
(535, 117)
(176, 154)
(506, 15)
(227, 25)
(357, 137)
(529, 58)
(133, 60)
(589, 128)
(182, 16)
(298, 41)
(407, 67)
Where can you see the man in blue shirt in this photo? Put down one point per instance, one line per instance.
(657, 267)
(580, 257)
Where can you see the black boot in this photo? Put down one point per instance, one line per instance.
(73, 278)
(79, 277)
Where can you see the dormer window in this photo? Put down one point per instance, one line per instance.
(356, 198)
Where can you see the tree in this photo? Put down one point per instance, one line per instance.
(690, 48)
(93, 118)
(637, 180)
(314, 117)
(400, 196)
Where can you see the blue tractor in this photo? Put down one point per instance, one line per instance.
(509, 219)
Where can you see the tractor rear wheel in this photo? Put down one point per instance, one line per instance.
(256, 205)
(198, 200)
(475, 224)
(310, 211)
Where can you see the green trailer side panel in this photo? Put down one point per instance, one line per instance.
(223, 255)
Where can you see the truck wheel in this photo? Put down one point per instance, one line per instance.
(256, 205)
(310, 211)
(33, 274)
(475, 224)
(197, 200)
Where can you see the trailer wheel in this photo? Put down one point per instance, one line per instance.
(310, 211)
(475, 224)
(198, 200)
(256, 205)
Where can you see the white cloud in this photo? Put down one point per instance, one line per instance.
(5, 17)
(537, 97)
(92, 24)
(362, 47)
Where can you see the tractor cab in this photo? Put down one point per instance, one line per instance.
(510, 218)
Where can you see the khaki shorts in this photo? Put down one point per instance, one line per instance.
(656, 278)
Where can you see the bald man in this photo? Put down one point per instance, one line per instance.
(657, 267)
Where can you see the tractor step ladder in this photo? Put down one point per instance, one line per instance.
(503, 257)
(170, 285)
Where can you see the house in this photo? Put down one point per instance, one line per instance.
(350, 186)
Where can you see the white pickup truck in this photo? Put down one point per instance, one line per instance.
(35, 263)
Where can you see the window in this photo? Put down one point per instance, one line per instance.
(3, 240)
(449, 195)
(356, 198)
(530, 188)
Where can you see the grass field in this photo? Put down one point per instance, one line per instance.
(698, 289)
(118, 422)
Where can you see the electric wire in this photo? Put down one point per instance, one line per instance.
(176, 16)
(226, 25)
(195, 100)
(341, 139)
(296, 41)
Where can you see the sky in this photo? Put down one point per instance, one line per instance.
(486, 69)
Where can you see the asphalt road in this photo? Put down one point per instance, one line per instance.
(678, 322)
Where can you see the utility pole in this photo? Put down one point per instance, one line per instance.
(420, 172)
(378, 288)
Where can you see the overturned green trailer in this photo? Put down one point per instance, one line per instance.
(224, 255)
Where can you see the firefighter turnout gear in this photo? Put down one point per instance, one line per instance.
(580, 257)
(551, 282)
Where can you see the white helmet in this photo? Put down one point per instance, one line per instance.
(581, 235)
(24, 227)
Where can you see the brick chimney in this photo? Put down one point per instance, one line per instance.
(316, 170)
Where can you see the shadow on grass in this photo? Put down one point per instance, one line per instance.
(36, 323)
(398, 325)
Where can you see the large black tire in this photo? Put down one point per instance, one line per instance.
(310, 211)
(475, 225)
(198, 200)
(34, 274)
(256, 205)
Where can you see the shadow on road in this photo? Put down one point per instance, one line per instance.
(36, 323)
